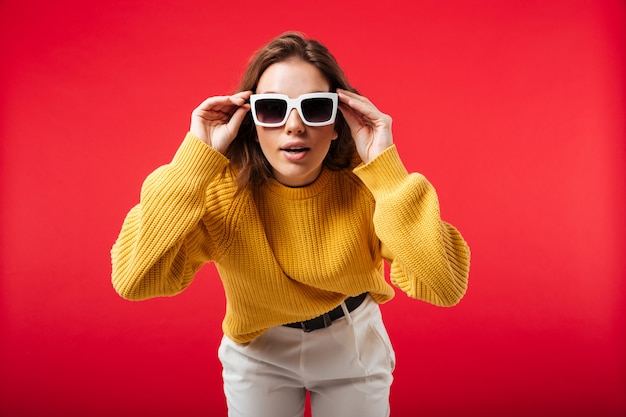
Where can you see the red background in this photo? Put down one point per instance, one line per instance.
(513, 109)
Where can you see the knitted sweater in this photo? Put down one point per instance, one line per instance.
(288, 254)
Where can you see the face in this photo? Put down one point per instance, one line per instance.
(295, 151)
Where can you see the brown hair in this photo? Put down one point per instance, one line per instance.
(244, 152)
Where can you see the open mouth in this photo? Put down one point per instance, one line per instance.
(295, 150)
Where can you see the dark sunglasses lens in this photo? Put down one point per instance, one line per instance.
(271, 110)
(317, 110)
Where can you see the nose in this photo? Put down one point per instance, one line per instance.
(294, 123)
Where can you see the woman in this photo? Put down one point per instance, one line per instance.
(294, 189)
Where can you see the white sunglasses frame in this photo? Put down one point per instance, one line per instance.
(294, 103)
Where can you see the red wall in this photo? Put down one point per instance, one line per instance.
(513, 109)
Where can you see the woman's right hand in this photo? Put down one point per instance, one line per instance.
(216, 121)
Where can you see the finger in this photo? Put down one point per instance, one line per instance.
(213, 102)
(359, 103)
(348, 93)
(240, 98)
(349, 96)
(225, 104)
(358, 127)
(243, 94)
(237, 118)
(353, 120)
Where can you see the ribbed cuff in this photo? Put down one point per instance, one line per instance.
(198, 160)
(383, 174)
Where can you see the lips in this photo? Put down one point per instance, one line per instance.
(294, 152)
(295, 149)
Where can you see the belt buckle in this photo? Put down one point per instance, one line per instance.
(327, 323)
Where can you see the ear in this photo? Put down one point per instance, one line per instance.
(335, 134)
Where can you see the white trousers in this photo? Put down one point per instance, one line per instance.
(347, 369)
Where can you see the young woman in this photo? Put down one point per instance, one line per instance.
(294, 189)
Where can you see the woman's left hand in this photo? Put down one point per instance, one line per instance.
(371, 129)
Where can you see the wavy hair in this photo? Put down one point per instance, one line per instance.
(245, 152)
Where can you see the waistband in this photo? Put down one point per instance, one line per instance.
(326, 319)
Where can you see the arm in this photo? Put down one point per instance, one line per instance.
(429, 257)
(163, 242)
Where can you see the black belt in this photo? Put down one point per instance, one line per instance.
(326, 319)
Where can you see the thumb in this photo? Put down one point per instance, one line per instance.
(351, 119)
(237, 118)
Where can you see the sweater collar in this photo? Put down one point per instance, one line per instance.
(300, 193)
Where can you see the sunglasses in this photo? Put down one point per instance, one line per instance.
(315, 109)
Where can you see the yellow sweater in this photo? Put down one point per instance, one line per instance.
(288, 254)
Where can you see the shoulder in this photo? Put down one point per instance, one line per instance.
(347, 183)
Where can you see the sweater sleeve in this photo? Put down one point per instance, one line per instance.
(429, 257)
(163, 241)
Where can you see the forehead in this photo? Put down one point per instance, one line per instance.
(293, 77)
